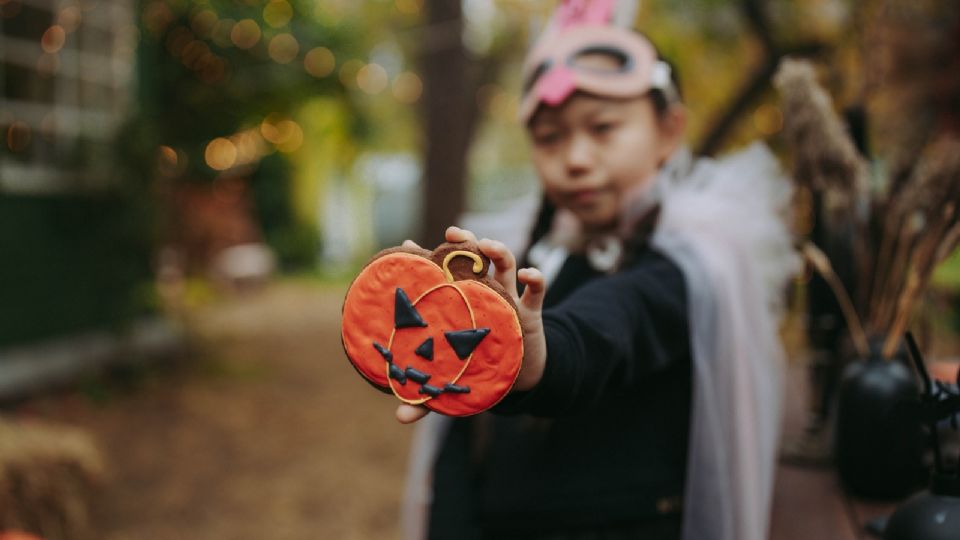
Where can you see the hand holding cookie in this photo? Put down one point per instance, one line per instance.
(435, 330)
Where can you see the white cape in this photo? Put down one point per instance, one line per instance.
(722, 223)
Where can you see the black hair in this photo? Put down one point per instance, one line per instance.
(541, 227)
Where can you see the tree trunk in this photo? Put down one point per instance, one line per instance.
(447, 101)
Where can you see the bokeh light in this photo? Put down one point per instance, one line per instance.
(156, 17)
(291, 136)
(221, 154)
(348, 72)
(221, 32)
(204, 22)
(277, 13)
(69, 18)
(245, 34)
(268, 127)
(19, 136)
(768, 119)
(283, 48)
(167, 161)
(194, 53)
(250, 146)
(407, 87)
(409, 7)
(503, 106)
(372, 79)
(333, 11)
(319, 62)
(53, 39)
(285, 134)
(168, 154)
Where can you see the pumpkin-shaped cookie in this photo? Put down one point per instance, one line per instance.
(433, 328)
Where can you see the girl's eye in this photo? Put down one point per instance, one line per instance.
(546, 138)
(601, 128)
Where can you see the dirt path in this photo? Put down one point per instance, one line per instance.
(264, 432)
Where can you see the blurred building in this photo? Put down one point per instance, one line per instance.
(67, 73)
(74, 227)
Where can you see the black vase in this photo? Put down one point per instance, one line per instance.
(878, 443)
(929, 515)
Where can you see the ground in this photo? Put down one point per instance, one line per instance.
(262, 431)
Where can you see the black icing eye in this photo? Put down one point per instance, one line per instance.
(465, 341)
(404, 314)
(425, 349)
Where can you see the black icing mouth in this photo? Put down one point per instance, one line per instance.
(463, 343)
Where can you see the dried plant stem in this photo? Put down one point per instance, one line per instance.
(949, 243)
(930, 252)
(888, 243)
(911, 228)
(818, 259)
(892, 277)
(902, 316)
(920, 233)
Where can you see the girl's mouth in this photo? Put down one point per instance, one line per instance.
(583, 196)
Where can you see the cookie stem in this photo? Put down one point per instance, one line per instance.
(477, 263)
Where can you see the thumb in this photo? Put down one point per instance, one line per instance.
(408, 414)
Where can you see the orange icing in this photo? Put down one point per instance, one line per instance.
(368, 307)
(496, 361)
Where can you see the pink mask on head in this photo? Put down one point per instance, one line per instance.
(580, 28)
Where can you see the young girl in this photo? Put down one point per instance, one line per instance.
(648, 403)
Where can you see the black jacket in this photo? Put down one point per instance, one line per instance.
(599, 447)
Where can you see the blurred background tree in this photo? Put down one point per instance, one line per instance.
(327, 129)
(223, 87)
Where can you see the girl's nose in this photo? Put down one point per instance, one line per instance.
(579, 156)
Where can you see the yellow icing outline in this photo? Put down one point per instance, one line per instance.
(466, 362)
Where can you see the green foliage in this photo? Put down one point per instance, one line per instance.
(80, 260)
(947, 275)
(187, 103)
(295, 244)
(198, 82)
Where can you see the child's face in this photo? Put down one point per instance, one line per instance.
(590, 151)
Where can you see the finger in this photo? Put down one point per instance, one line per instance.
(408, 414)
(536, 288)
(504, 264)
(456, 234)
(410, 244)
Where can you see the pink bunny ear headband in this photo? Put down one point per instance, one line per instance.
(580, 28)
